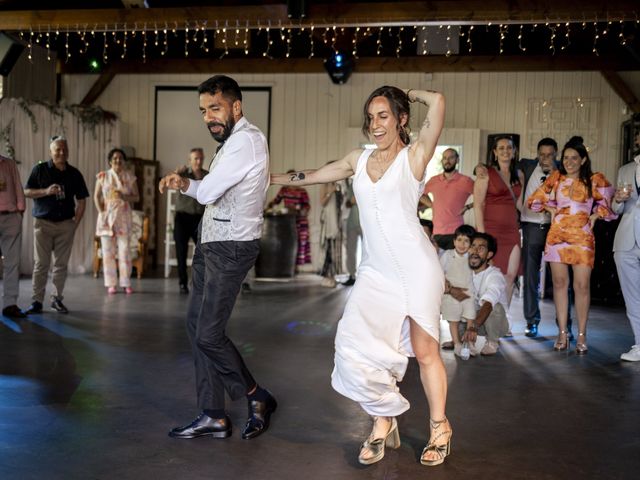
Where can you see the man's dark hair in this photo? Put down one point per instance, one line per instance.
(451, 149)
(548, 142)
(196, 149)
(466, 230)
(427, 223)
(492, 245)
(227, 86)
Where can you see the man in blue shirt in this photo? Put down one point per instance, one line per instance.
(59, 197)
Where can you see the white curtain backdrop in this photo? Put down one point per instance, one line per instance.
(87, 152)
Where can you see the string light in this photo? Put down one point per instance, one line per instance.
(567, 36)
(424, 41)
(79, 39)
(311, 45)
(552, 39)
(354, 41)
(520, 46)
(399, 47)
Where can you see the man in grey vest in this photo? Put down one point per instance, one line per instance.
(626, 245)
(234, 194)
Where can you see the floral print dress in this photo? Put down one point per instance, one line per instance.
(570, 239)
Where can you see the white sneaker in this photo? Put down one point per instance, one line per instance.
(490, 348)
(632, 355)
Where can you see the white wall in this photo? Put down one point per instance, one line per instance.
(313, 120)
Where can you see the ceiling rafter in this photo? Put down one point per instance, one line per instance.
(436, 12)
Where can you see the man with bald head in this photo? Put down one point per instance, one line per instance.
(59, 196)
(450, 191)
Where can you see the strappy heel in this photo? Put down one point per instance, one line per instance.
(376, 446)
(442, 450)
(562, 343)
(581, 347)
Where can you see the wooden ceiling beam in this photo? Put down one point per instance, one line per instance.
(434, 12)
(98, 87)
(427, 64)
(622, 89)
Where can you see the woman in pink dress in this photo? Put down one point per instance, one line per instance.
(115, 189)
(576, 198)
(494, 204)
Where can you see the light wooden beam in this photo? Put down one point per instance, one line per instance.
(622, 89)
(428, 64)
(434, 12)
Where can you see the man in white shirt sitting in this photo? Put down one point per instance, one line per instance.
(490, 298)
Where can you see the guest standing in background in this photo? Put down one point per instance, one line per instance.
(59, 196)
(188, 215)
(12, 205)
(296, 199)
(575, 197)
(494, 198)
(331, 232)
(115, 190)
(626, 245)
(354, 233)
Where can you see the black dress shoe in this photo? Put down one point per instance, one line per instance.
(532, 330)
(58, 306)
(184, 289)
(36, 307)
(204, 426)
(349, 281)
(12, 311)
(259, 415)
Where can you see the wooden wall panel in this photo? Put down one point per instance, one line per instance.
(313, 120)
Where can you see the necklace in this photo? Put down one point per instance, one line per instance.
(382, 164)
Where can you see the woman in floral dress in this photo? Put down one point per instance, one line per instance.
(576, 198)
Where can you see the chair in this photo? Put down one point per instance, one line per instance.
(138, 240)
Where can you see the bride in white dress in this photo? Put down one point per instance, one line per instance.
(394, 308)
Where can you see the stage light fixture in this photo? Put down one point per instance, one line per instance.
(339, 67)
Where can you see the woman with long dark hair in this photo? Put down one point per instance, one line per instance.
(394, 308)
(576, 197)
(495, 196)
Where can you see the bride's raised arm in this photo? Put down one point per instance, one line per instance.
(423, 149)
(331, 172)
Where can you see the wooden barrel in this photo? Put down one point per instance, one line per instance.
(278, 247)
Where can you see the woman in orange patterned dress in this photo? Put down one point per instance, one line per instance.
(576, 198)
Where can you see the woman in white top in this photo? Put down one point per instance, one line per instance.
(394, 308)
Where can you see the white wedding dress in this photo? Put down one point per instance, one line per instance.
(399, 277)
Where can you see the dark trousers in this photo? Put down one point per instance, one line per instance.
(533, 241)
(534, 237)
(218, 270)
(185, 227)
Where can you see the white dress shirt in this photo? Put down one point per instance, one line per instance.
(528, 215)
(234, 190)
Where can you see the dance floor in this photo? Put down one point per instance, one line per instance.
(92, 395)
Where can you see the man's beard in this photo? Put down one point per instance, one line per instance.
(226, 129)
(449, 168)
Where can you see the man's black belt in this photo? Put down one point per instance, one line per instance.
(541, 226)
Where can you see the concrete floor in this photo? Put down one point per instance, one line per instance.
(92, 394)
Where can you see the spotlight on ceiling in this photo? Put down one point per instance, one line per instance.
(339, 67)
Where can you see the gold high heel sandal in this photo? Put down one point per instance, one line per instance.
(562, 344)
(376, 445)
(581, 347)
(441, 450)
